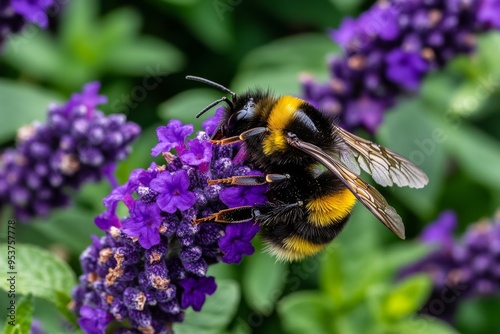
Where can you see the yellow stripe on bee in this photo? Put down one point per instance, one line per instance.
(294, 248)
(298, 248)
(330, 208)
(281, 114)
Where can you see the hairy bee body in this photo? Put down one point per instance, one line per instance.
(309, 209)
(311, 167)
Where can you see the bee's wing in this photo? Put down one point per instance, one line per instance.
(364, 192)
(385, 166)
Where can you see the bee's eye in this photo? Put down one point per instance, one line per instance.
(236, 117)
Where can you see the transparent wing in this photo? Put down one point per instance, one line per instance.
(366, 194)
(386, 167)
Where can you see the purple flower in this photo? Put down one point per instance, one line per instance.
(389, 48)
(33, 10)
(488, 13)
(144, 223)
(15, 14)
(345, 33)
(405, 68)
(171, 136)
(76, 144)
(366, 112)
(149, 267)
(237, 241)
(195, 291)
(441, 230)
(173, 190)
(199, 153)
(93, 321)
(37, 327)
(470, 267)
(211, 123)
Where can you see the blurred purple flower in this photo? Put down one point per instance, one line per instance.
(389, 48)
(441, 230)
(405, 68)
(488, 13)
(77, 144)
(16, 14)
(467, 268)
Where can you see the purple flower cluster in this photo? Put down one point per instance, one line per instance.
(15, 14)
(460, 269)
(152, 265)
(389, 48)
(77, 144)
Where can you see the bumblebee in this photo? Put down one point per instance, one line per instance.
(311, 167)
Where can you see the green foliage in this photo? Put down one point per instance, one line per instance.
(86, 49)
(41, 274)
(23, 104)
(306, 312)
(184, 106)
(24, 314)
(263, 281)
(265, 66)
(217, 312)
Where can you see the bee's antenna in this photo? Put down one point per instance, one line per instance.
(211, 83)
(225, 99)
(216, 85)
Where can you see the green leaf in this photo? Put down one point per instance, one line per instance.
(319, 14)
(306, 312)
(400, 255)
(71, 227)
(476, 152)
(332, 276)
(211, 23)
(223, 271)
(146, 56)
(263, 281)
(39, 272)
(419, 324)
(216, 314)
(24, 104)
(354, 250)
(264, 67)
(405, 298)
(23, 317)
(478, 315)
(411, 132)
(19, 53)
(184, 106)
(347, 6)
(181, 2)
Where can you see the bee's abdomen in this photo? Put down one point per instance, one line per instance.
(293, 233)
(294, 240)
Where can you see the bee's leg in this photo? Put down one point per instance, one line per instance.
(238, 214)
(241, 137)
(251, 180)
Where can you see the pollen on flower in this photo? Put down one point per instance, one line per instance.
(157, 250)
